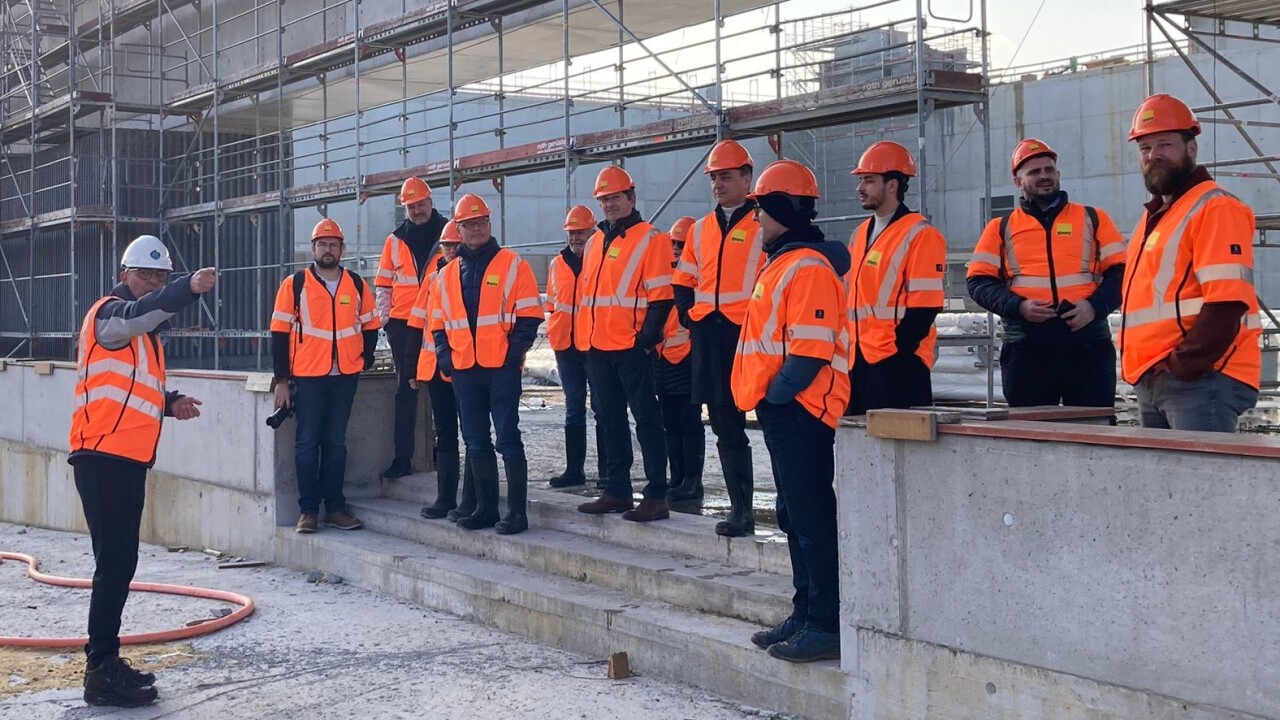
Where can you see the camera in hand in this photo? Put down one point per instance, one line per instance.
(279, 416)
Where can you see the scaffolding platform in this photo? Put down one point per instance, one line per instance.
(96, 31)
(52, 115)
(1262, 12)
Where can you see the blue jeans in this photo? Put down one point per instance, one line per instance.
(803, 453)
(490, 392)
(572, 365)
(322, 407)
(1212, 403)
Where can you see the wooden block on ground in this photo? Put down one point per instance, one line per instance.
(619, 666)
(905, 424)
(241, 564)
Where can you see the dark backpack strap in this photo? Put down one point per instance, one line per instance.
(1092, 213)
(1004, 245)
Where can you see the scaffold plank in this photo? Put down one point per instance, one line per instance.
(126, 16)
(1264, 12)
(52, 114)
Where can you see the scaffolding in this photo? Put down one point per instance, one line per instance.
(213, 124)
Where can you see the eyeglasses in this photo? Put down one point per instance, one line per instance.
(150, 274)
(322, 245)
(474, 223)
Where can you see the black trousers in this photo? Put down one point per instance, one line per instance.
(1082, 375)
(444, 411)
(112, 493)
(898, 381)
(623, 379)
(406, 419)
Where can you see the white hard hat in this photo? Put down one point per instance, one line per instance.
(147, 251)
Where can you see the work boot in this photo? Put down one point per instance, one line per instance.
(606, 504)
(808, 645)
(781, 633)
(307, 523)
(648, 511)
(691, 489)
(398, 469)
(602, 458)
(446, 486)
(486, 482)
(468, 503)
(739, 481)
(343, 520)
(517, 519)
(114, 683)
(575, 450)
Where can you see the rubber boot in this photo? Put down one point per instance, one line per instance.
(575, 450)
(517, 519)
(486, 481)
(468, 503)
(602, 458)
(675, 458)
(694, 458)
(739, 480)
(446, 486)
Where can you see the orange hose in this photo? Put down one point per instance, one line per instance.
(213, 625)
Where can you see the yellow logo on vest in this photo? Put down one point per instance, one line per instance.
(739, 236)
(491, 280)
(1152, 239)
(614, 252)
(344, 299)
(1062, 229)
(758, 292)
(873, 258)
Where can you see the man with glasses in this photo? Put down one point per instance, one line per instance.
(121, 400)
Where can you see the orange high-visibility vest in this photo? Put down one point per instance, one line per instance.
(721, 269)
(508, 292)
(902, 269)
(562, 303)
(1064, 262)
(1200, 251)
(119, 395)
(423, 305)
(675, 346)
(796, 308)
(398, 270)
(617, 284)
(326, 328)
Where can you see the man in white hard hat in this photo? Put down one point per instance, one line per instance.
(121, 401)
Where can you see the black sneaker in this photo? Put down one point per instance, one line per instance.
(808, 645)
(140, 678)
(399, 468)
(113, 683)
(782, 633)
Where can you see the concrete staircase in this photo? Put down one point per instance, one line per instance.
(680, 601)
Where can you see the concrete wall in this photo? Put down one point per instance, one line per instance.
(999, 577)
(223, 480)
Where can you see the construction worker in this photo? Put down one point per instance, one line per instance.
(323, 333)
(623, 307)
(485, 320)
(672, 379)
(407, 256)
(562, 309)
(895, 287)
(1189, 320)
(444, 405)
(791, 367)
(712, 283)
(121, 400)
(1051, 270)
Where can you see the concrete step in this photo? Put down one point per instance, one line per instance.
(751, 595)
(708, 651)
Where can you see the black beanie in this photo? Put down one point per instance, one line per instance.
(792, 212)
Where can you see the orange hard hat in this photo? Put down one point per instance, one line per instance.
(414, 190)
(1163, 113)
(681, 228)
(580, 217)
(327, 228)
(728, 155)
(450, 233)
(786, 176)
(1030, 148)
(612, 179)
(886, 157)
(470, 207)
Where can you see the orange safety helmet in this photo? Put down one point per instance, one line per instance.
(1027, 149)
(681, 228)
(450, 233)
(580, 217)
(612, 179)
(1163, 113)
(470, 207)
(886, 157)
(414, 190)
(786, 176)
(327, 228)
(728, 155)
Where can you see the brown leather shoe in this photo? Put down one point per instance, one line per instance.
(648, 511)
(606, 504)
(342, 520)
(307, 523)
